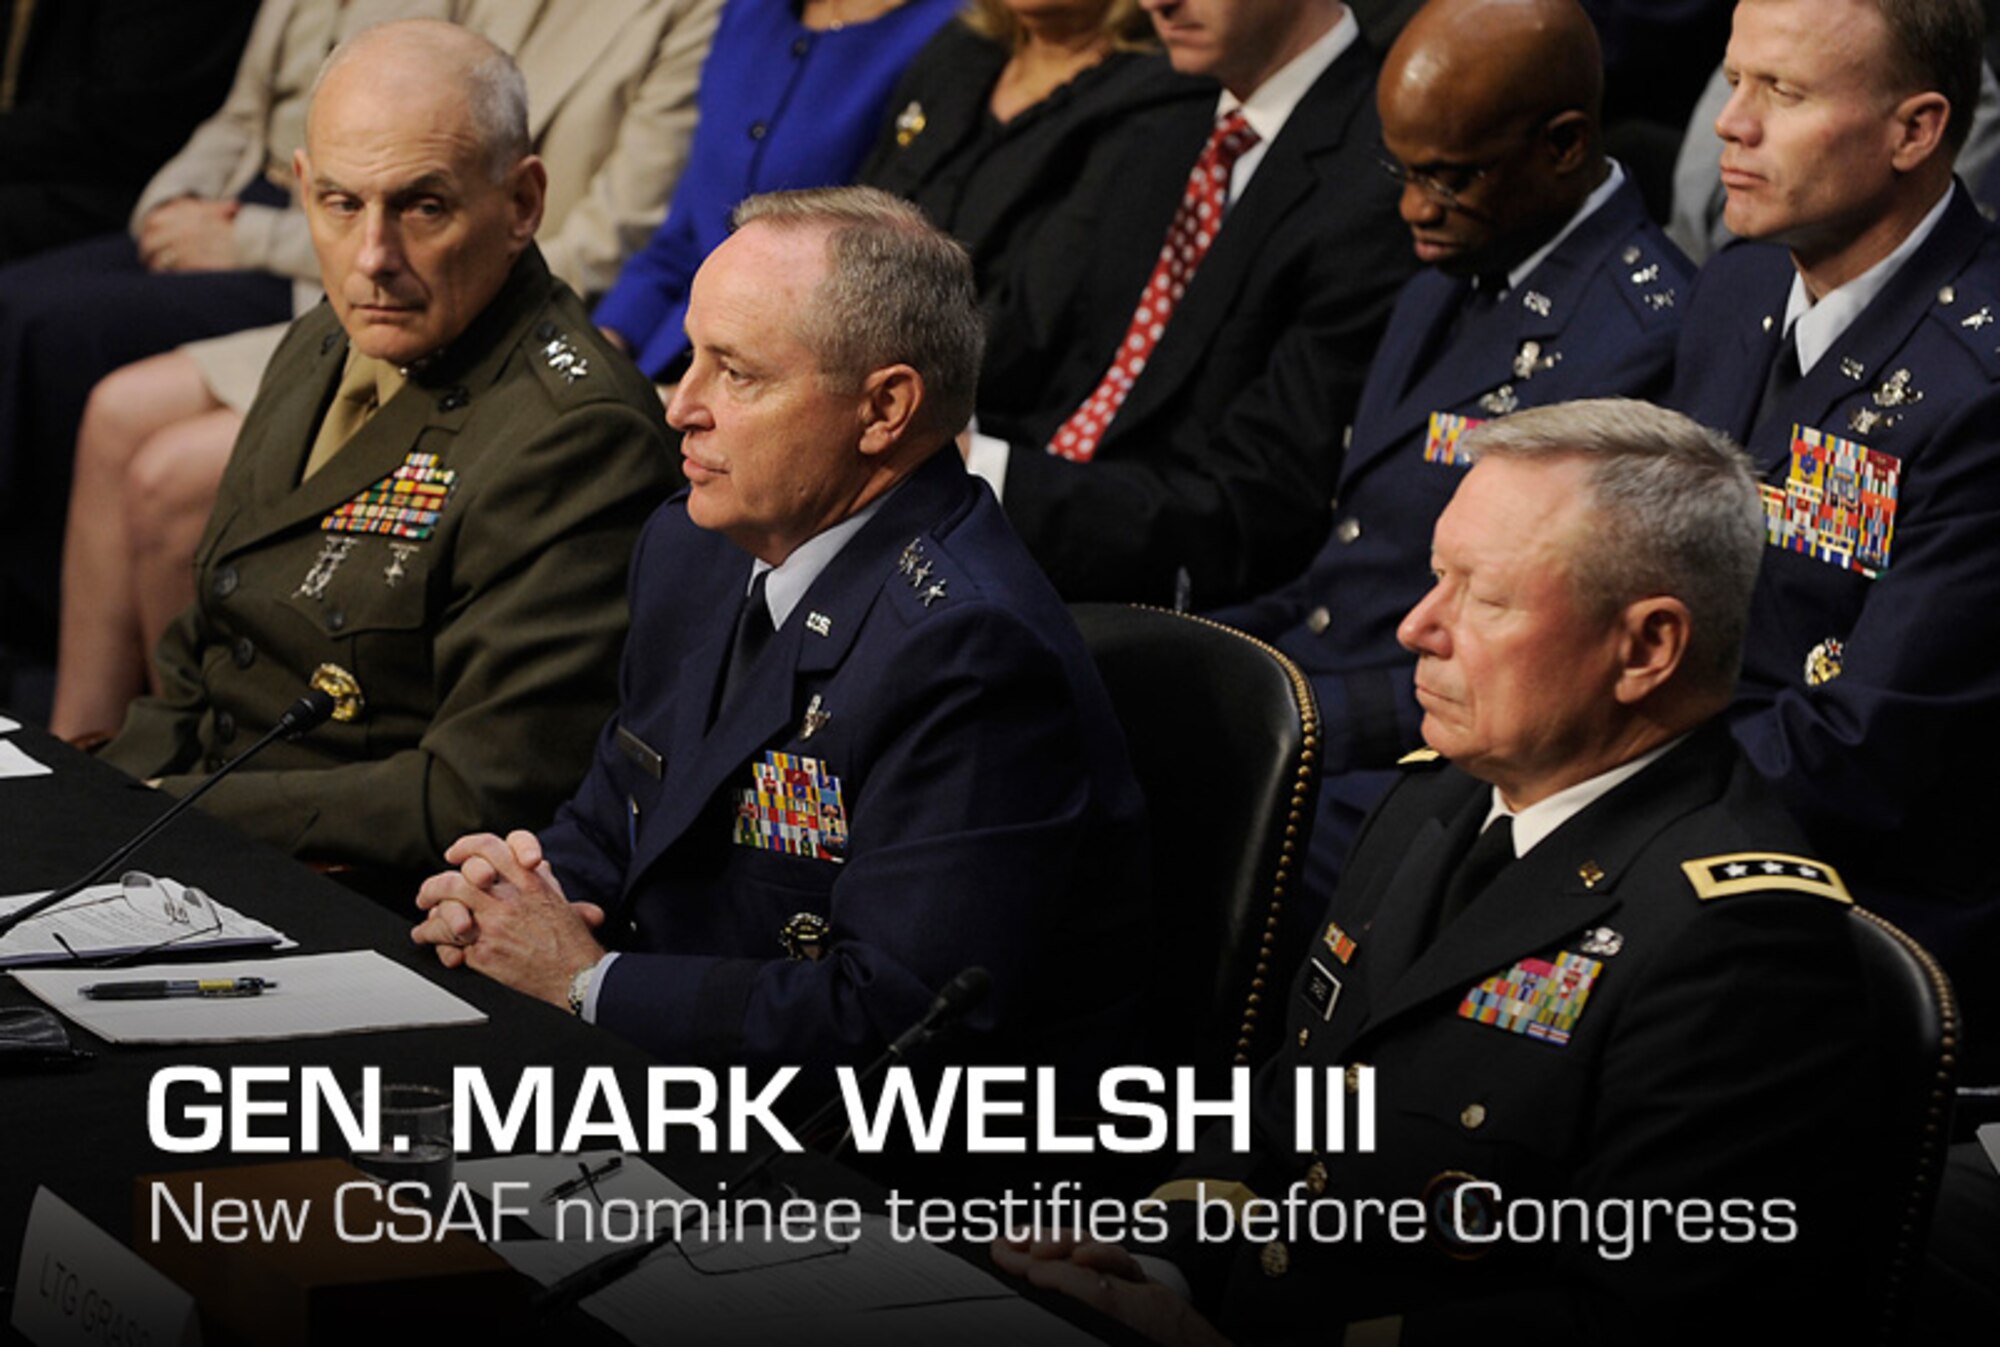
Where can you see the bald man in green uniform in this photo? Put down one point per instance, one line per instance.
(432, 503)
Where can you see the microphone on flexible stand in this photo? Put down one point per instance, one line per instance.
(961, 994)
(301, 717)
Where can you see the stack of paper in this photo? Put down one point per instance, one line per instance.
(14, 762)
(101, 923)
(317, 995)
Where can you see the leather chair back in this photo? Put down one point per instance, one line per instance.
(1919, 1012)
(1224, 736)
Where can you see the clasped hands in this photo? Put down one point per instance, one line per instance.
(502, 912)
(189, 234)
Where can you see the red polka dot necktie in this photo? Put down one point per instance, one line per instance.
(1195, 226)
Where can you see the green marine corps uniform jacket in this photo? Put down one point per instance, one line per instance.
(456, 574)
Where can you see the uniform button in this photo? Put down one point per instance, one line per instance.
(1348, 529)
(1305, 1037)
(1354, 1078)
(1472, 1117)
(335, 619)
(1276, 1259)
(800, 46)
(225, 726)
(328, 342)
(224, 583)
(758, 130)
(244, 652)
(545, 330)
(1316, 1178)
(1318, 620)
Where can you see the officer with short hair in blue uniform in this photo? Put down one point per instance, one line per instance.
(860, 744)
(1547, 281)
(1854, 350)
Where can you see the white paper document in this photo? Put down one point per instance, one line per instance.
(317, 995)
(13, 762)
(106, 920)
(632, 1180)
(866, 1293)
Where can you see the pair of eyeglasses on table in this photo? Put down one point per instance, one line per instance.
(35, 1039)
(183, 916)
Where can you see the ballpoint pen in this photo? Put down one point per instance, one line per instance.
(160, 991)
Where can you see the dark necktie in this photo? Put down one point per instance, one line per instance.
(753, 633)
(1785, 375)
(1487, 291)
(1490, 853)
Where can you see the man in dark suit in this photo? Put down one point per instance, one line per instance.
(1590, 962)
(1168, 388)
(1854, 351)
(1547, 282)
(861, 745)
(450, 564)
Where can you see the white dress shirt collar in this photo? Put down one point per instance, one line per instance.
(1543, 817)
(1591, 205)
(1819, 326)
(792, 577)
(1272, 103)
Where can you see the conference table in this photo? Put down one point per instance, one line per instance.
(83, 1132)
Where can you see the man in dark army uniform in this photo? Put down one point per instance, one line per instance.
(434, 498)
(1592, 966)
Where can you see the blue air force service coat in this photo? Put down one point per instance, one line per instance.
(1661, 1000)
(1869, 657)
(1597, 318)
(921, 773)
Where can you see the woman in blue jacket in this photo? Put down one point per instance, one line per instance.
(792, 96)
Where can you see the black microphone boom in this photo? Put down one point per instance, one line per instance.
(304, 715)
(957, 996)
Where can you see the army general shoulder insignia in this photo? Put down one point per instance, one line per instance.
(1760, 872)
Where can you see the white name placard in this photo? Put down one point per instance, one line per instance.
(77, 1286)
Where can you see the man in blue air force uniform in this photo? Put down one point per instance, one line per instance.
(1548, 282)
(861, 745)
(1854, 350)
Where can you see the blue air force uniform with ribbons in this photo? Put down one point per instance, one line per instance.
(1661, 999)
(921, 772)
(1869, 665)
(454, 574)
(1596, 318)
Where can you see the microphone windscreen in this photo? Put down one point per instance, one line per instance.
(308, 712)
(965, 991)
